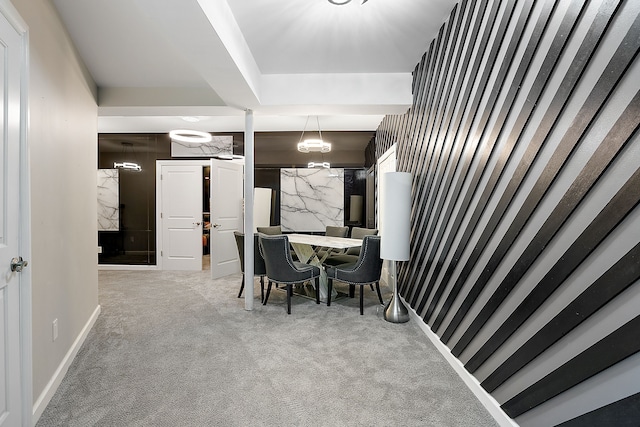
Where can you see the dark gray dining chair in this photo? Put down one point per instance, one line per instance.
(274, 230)
(365, 271)
(351, 254)
(282, 269)
(259, 268)
(332, 231)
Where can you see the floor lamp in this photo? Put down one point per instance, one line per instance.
(395, 218)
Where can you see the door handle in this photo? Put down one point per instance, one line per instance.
(217, 225)
(196, 224)
(17, 264)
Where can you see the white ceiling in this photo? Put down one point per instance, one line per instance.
(155, 61)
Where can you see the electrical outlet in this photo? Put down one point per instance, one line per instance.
(55, 329)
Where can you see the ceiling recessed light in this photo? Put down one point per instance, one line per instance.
(190, 119)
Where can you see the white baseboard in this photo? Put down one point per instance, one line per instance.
(125, 267)
(472, 383)
(45, 397)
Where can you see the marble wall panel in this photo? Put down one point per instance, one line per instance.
(311, 199)
(108, 200)
(220, 145)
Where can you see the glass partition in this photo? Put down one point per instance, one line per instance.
(127, 195)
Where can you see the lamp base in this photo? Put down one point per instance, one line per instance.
(395, 311)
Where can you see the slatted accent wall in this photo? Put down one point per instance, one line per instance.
(524, 146)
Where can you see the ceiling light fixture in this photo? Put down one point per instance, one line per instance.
(315, 145)
(190, 136)
(341, 2)
(325, 165)
(127, 165)
(318, 145)
(130, 166)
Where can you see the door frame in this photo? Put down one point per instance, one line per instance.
(159, 164)
(370, 199)
(26, 374)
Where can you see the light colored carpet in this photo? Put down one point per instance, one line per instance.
(178, 349)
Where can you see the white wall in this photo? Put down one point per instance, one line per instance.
(62, 142)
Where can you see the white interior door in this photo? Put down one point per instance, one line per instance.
(386, 163)
(10, 326)
(227, 199)
(181, 216)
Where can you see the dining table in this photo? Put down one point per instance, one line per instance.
(307, 248)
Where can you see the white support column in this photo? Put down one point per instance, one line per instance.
(248, 210)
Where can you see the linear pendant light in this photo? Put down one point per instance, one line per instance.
(313, 145)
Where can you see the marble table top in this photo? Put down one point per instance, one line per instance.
(328, 241)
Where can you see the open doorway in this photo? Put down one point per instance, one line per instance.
(206, 218)
(194, 231)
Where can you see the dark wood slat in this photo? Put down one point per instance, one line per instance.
(416, 168)
(612, 349)
(428, 119)
(505, 152)
(440, 123)
(462, 128)
(446, 72)
(588, 112)
(623, 413)
(424, 164)
(429, 91)
(533, 146)
(418, 115)
(614, 281)
(430, 222)
(414, 111)
(620, 134)
(425, 158)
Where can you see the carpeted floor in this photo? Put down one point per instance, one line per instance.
(178, 349)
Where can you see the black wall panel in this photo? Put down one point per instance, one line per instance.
(524, 147)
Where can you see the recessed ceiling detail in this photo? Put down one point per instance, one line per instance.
(281, 59)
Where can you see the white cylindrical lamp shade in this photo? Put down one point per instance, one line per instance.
(261, 207)
(395, 215)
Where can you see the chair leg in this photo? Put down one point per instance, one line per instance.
(361, 300)
(379, 294)
(241, 286)
(266, 297)
(261, 288)
(371, 284)
(289, 292)
(329, 290)
(352, 291)
(317, 290)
